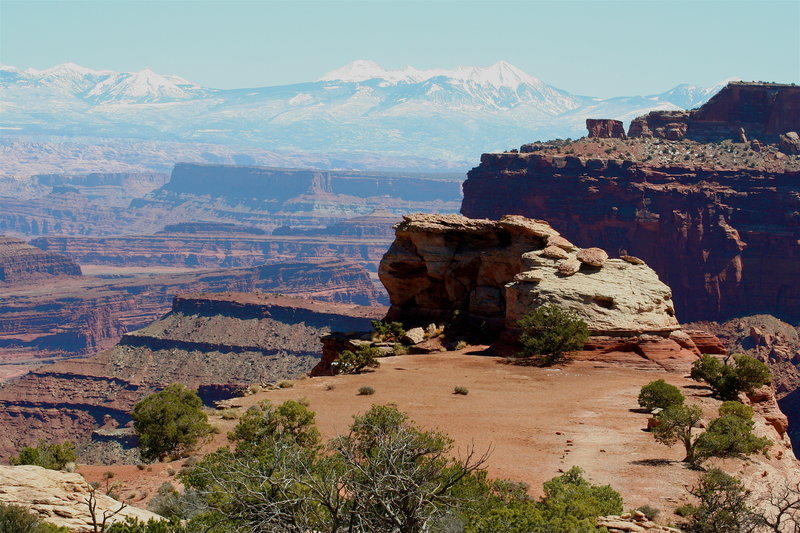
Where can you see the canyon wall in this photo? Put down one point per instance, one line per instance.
(20, 262)
(725, 240)
(217, 343)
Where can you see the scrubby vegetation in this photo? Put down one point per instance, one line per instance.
(549, 332)
(46, 455)
(170, 422)
(659, 394)
(354, 362)
(387, 331)
(366, 391)
(17, 519)
(730, 435)
(728, 380)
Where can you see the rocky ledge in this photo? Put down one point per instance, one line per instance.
(61, 498)
(20, 262)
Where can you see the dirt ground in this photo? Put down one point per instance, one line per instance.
(535, 422)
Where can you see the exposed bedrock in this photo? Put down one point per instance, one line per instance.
(740, 111)
(20, 262)
(496, 271)
(605, 128)
(217, 343)
(726, 241)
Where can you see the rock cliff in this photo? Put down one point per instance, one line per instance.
(61, 498)
(219, 343)
(725, 239)
(740, 111)
(20, 262)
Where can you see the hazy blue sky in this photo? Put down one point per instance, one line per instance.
(600, 48)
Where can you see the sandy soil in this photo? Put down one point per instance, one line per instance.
(536, 422)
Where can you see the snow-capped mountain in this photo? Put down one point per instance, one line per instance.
(451, 114)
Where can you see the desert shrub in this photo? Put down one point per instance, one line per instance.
(170, 422)
(460, 345)
(286, 384)
(732, 408)
(659, 394)
(649, 511)
(353, 362)
(132, 525)
(727, 380)
(366, 391)
(261, 423)
(18, 519)
(172, 504)
(388, 331)
(461, 390)
(399, 349)
(330, 386)
(685, 510)
(46, 455)
(722, 505)
(549, 332)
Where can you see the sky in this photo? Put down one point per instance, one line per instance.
(599, 48)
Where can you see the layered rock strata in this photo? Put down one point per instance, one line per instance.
(217, 343)
(605, 128)
(61, 498)
(20, 262)
(725, 240)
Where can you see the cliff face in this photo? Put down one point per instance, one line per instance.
(740, 111)
(215, 342)
(78, 316)
(725, 240)
(20, 262)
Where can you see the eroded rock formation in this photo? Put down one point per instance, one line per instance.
(494, 272)
(605, 128)
(20, 262)
(725, 240)
(219, 343)
(61, 498)
(740, 111)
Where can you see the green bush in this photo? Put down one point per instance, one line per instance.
(52, 456)
(461, 390)
(549, 332)
(387, 331)
(364, 357)
(170, 422)
(739, 409)
(366, 391)
(18, 519)
(723, 505)
(132, 525)
(659, 394)
(649, 511)
(727, 380)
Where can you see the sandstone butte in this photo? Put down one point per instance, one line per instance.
(710, 198)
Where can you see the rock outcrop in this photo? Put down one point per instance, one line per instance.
(725, 240)
(740, 111)
(20, 262)
(62, 498)
(605, 128)
(219, 343)
(494, 272)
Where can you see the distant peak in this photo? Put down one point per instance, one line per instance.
(500, 74)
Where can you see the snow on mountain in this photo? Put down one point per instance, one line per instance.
(451, 114)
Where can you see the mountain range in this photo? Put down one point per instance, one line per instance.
(361, 107)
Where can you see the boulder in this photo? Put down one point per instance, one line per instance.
(567, 268)
(554, 252)
(789, 143)
(414, 336)
(594, 257)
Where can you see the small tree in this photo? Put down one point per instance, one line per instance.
(170, 422)
(350, 362)
(675, 424)
(659, 394)
(727, 380)
(46, 455)
(549, 332)
(723, 505)
(731, 435)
